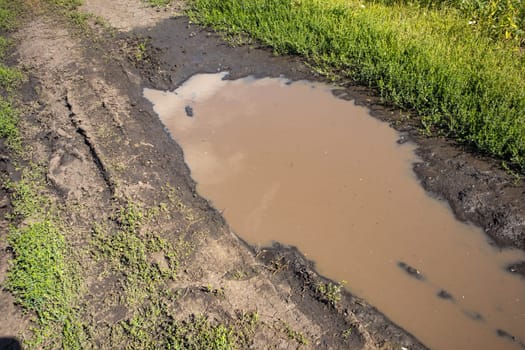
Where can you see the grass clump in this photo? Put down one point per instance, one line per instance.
(41, 280)
(498, 19)
(129, 250)
(68, 5)
(159, 3)
(299, 337)
(330, 292)
(10, 78)
(10, 10)
(41, 275)
(9, 125)
(459, 81)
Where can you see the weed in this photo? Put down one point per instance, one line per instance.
(277, 264)
(40, 278)
(239, 275)
(217, 292)
(41, 275)
(4, 45)
(199, 333)
(347, 332)
(68, 5)
(141, 52)
(159, 3)
(330, 292)
(10, 10)
(9, 125)
(27, 199)
(10, 78)
(299, 337)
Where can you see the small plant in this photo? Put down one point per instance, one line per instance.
(299, 337)
(10, 78)
(239, 275)
(159, 3)
(9, 125)
(277, 265)
(347, 332)
(330, 292)
(141, 50)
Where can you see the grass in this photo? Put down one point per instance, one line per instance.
(151, 323)
(9, 125)
(41, 280)
(10, 78)
(292, 334)
(460, 80)
(330, 292)
(41, 276)
(159, 3)
(10, 11)
(128, 250)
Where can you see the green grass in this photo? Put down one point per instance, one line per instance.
(159, 2)
(153, 328)
(499, 19)
(10, 10)
(9, 125)
(128, 250)
(41, 276)
(68, 5)
(10, 78)
(330, 292)
(460, 81)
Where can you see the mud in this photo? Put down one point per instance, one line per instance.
(291, 163)
(476, 187)
(88, 118)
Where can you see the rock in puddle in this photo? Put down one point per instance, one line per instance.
(412, 271)
(517, 268)
(189, 111)
(443, 294)
(473, 315)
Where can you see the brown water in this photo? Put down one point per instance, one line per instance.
(291, 163)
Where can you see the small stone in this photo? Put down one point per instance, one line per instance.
(503, 334)
(443, 294)
(189, 111)
(412, 271)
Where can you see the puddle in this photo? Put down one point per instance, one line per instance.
(289, 162)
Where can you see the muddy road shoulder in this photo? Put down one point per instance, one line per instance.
(121, 185)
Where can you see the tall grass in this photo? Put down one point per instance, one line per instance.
(429, 60)
(499, 19)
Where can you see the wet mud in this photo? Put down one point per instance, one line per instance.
(291, 163)
(101, 146)
(475, 186)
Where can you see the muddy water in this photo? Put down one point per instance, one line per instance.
(291, 163)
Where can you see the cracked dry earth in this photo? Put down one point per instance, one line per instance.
(101, 148)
